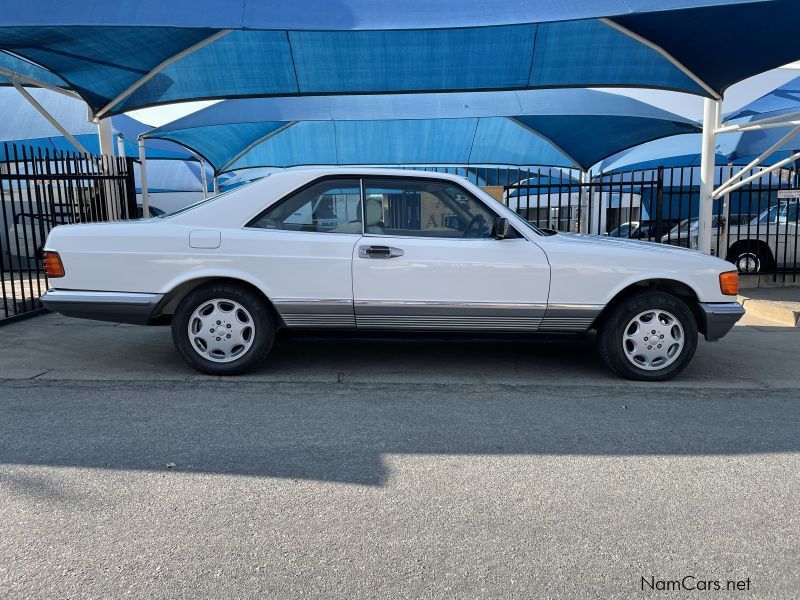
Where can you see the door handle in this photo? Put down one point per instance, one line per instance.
(379, 252)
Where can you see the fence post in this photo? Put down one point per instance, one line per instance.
(659, 203)
(130, 189)
(584, 205)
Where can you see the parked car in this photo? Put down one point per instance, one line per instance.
(765, 242)
(28, 230)
(685, 233)
(379, 249)
(642, 230)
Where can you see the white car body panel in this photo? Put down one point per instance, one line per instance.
(319, 279)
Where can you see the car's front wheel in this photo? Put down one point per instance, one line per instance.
(223, 329)
(650, 336)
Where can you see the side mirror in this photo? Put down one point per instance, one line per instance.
(502, 228)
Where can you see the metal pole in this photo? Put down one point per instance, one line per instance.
(106, 137)
(203, 181)
(50, 118)
(711, 115)
(120, 146)
(143, 179)
(216, 185)
(584, 201)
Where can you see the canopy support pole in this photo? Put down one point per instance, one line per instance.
(36, 83)
(653, 46)
(143, 178)
(50, 118)
(764, 155)
(120, 146)
(203, 181)
(260, 140)
(585, 189)
(779, 121)
(216, 185)
(711, 116)
(761, 173)
(160, 67)
(106, 138)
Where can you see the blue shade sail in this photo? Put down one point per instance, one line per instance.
(27, 69)
(684, 151)
(171, 168)
(29, 128)
(781, 100)
(333, 15)
(566, 128)
(312, 47)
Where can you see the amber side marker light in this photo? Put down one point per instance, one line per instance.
(729, 283)
(52, 265)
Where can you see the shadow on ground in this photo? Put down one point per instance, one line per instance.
(341, 432)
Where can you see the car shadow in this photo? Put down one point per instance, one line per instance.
(344, 432)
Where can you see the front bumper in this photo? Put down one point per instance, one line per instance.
(719, 318)
(120, 307)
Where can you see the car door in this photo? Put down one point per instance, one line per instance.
(429, 260)
(302, 248)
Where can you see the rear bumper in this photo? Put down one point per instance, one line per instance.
(719, 318)
(120, 307)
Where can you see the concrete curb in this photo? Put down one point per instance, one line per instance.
(785, 313)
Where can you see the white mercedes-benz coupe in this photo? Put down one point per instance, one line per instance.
(383, 249)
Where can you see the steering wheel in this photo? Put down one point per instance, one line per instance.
(473, 222)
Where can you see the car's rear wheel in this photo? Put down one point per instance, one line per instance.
(650, 336)
(223, 329)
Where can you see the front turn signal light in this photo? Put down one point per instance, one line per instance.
(52, 265)
(729, 283)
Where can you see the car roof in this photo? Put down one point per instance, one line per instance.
(316, 172)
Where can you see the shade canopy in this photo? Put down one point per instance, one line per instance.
(565, 128)
(781, 100)
(27, 127)
(683, 151)
(135, 54)
(173, 170)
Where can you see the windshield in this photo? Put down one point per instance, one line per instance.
(785, 212)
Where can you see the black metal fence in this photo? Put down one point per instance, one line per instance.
(40, 189)
(754, 227)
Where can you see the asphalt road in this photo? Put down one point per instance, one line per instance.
(438, 470)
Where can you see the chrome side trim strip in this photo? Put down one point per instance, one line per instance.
(408, 321)
(319, 320)
(313, 312)
(570, 317)
(95, 296)
(489, 310)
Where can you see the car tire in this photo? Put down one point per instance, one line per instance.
(223, 329)
(630, 349)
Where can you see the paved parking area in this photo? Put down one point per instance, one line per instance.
(367, 469)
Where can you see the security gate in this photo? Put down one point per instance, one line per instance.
(40, 189)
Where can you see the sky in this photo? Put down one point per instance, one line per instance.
(685, 105)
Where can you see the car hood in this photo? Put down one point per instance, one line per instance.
(605, 241)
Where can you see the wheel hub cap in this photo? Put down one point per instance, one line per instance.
(748, 264)
(653, 340)
(221, 330)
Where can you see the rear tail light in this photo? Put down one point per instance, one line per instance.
(729, 283)
(52, 265)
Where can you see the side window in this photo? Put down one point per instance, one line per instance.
(421, 208)
(329, 206)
